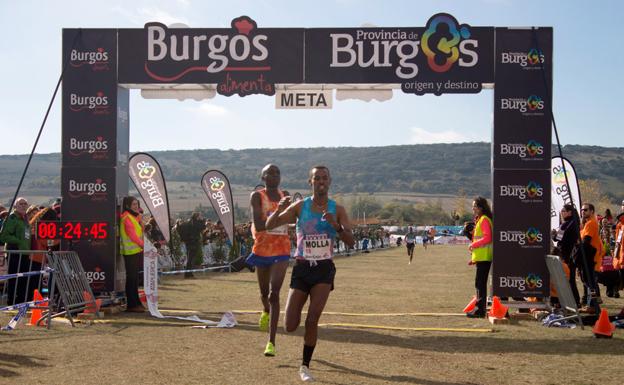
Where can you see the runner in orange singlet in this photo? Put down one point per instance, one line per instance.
(270, 252)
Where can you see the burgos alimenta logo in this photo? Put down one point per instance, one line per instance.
(216, 184)
(529, 239)
(442, 55)
(150, 185)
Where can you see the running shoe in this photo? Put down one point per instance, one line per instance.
(269, 351)
(263, 324)
(304, 373)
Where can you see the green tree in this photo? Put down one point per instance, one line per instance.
(364, 206)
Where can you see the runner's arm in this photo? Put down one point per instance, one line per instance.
(256, 211)
(284, 216)
(346, 235)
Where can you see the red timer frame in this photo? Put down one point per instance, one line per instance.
(76, 230)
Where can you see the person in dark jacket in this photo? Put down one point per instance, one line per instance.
(191, 234)
(566, 237)
(16, 235)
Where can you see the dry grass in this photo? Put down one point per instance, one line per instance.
(137, 349)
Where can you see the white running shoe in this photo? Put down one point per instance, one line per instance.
(304, 373)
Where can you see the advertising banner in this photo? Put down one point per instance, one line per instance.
(442, 57)
(521, 195)
(560, 194)
(89, 196)
(217, 187)
(89, 97)
(90, 150)
(149, 181)
(522, 102)
(521, 151)
(243, 59)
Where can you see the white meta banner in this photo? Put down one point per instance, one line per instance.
(303, 99)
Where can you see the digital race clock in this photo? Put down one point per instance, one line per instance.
(76, 230)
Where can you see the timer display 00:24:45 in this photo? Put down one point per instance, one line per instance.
(71, 230)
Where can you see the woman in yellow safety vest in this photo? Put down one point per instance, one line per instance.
(481, 249)
(131, 234)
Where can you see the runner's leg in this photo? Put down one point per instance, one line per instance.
(264, 279)
(294, 305)
(318, 298)
(278, 271)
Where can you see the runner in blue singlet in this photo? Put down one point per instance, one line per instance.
(319, 220)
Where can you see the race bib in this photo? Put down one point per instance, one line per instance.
(279, 230)
(316, 247)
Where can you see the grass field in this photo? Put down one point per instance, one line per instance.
(138, 349)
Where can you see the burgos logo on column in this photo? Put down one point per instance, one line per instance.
(531, 281)
(530, 60)
(529, 239)
(530, 193)
(531, 106)
(526, 151)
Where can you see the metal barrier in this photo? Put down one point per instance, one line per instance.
(26, 272)
(58, 271)
(564, 292)
(71, 281)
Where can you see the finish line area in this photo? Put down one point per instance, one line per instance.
(382, 325)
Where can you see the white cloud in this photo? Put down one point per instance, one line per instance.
(422, 136)
(207, 110)
(142, 15)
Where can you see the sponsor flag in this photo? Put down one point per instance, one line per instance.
(148, 179)
(562, 193)
(217, 187)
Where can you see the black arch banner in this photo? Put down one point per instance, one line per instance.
(444, 56)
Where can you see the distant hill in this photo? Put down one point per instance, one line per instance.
(431, 169)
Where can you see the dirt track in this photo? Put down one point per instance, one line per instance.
(138, 349)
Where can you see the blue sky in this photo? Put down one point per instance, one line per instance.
(587, 80)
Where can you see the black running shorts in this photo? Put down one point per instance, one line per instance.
(305, 277)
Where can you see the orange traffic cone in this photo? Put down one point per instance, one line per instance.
(471, 305)
(142, 297)
(498, 310)
(36, 314)
(603, 328)
(91, 308)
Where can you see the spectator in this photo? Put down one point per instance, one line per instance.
(593, 251)
(191, 234)
(16, 235)
(481, 250)
(566, 238)
(131, 234)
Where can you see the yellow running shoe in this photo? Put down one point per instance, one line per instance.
(263, 324)
(269, 351)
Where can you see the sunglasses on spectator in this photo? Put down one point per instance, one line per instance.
(584, 209)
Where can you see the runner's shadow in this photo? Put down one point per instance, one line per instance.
(13, 361)
(483, 343)
(393, 379)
